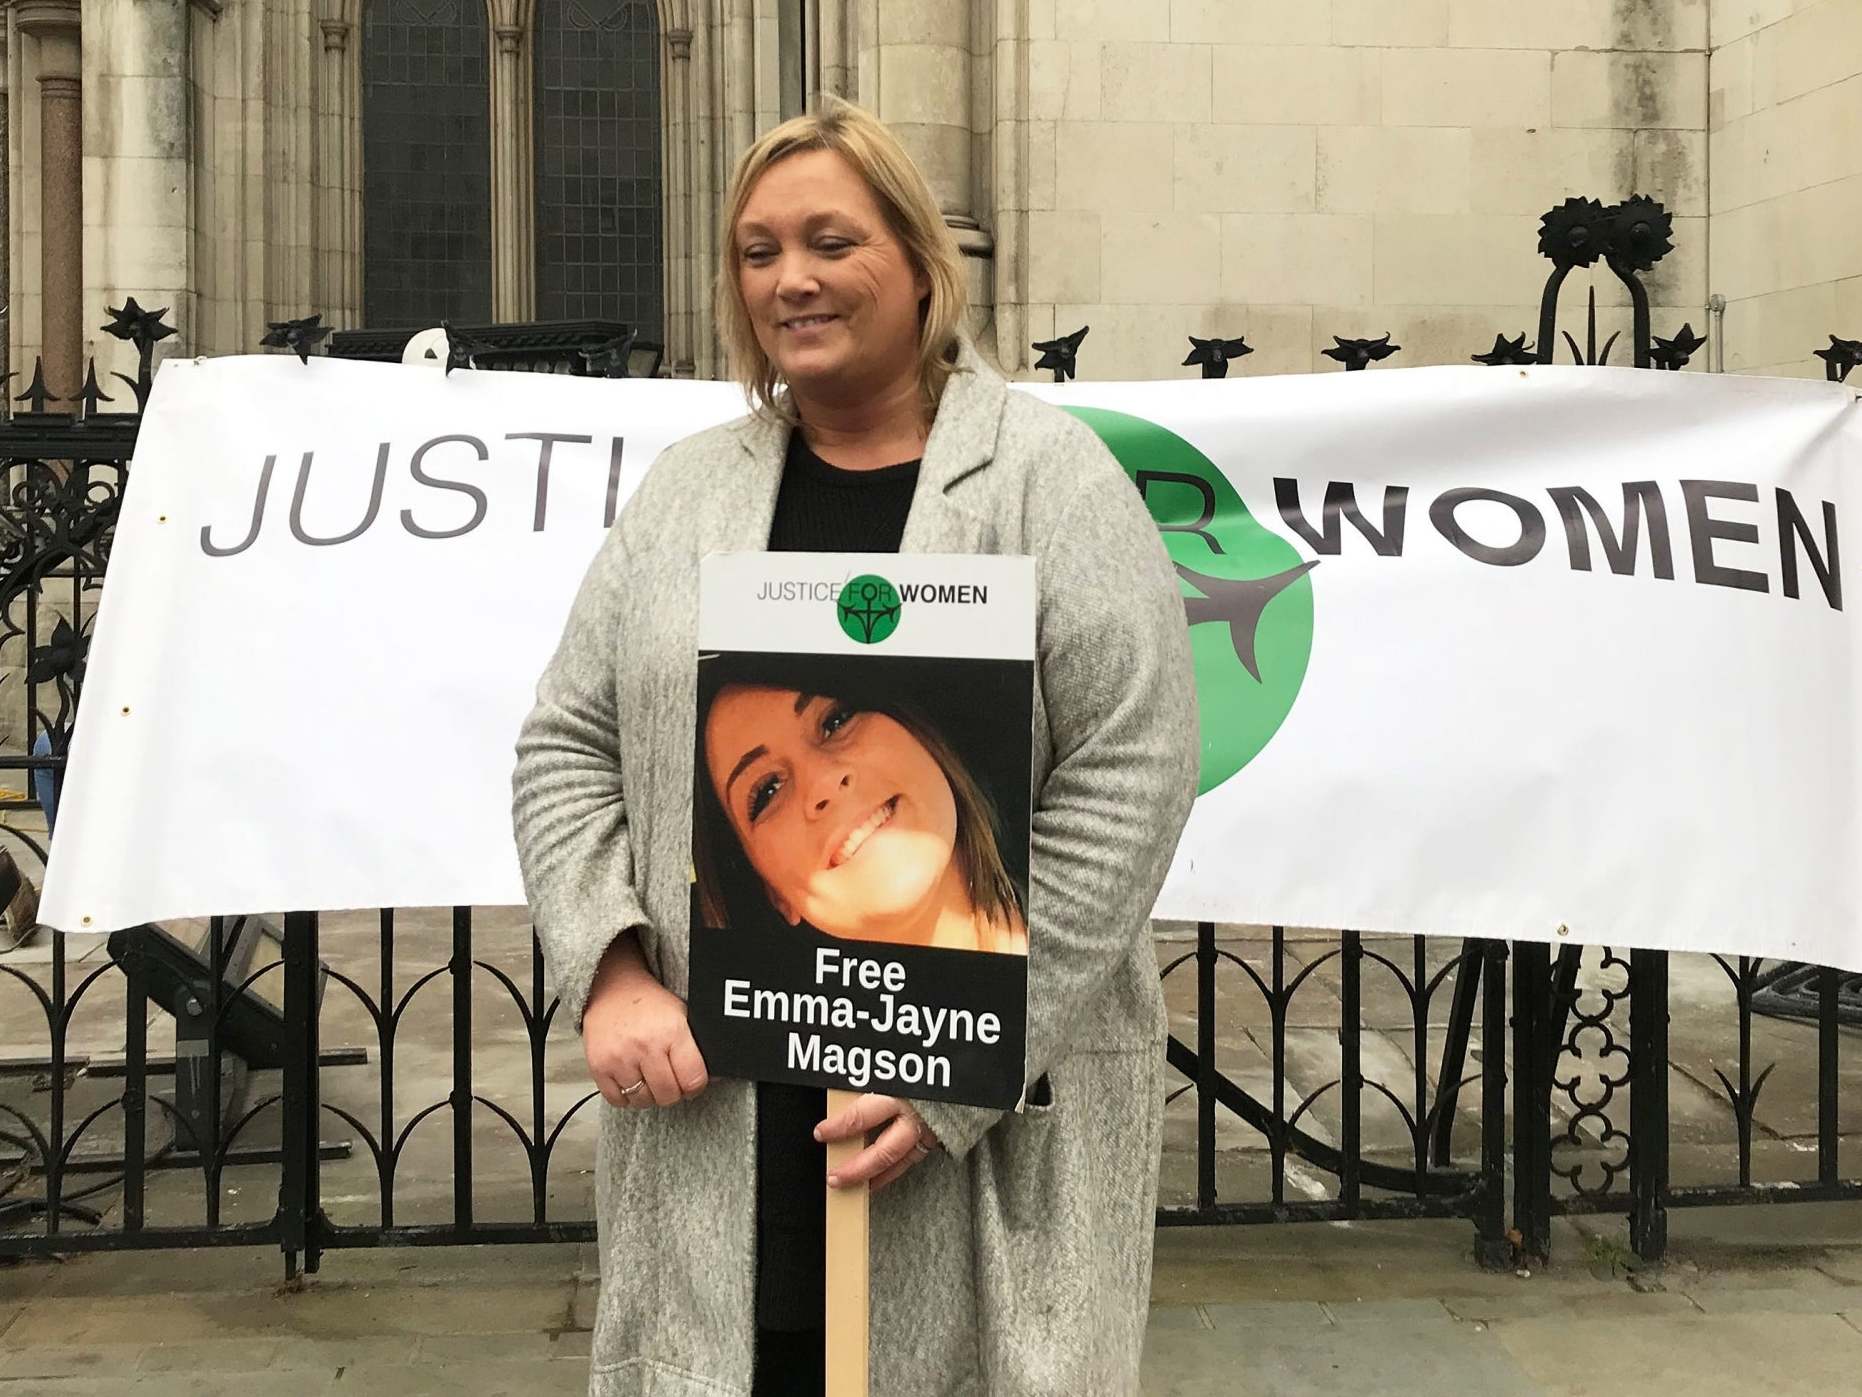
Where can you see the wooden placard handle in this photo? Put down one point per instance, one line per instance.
(848, 1268)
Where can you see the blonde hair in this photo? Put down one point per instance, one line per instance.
(911, 212)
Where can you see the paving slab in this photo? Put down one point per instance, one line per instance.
(323, 1312)
(534, 1378)
(1395, 1360)
(1739, 1355)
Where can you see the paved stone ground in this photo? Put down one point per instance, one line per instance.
(1387, 1310)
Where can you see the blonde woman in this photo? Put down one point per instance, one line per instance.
(1011, 1251)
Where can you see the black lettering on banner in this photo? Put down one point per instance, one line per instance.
(477, 496)
(1531, 527)
(212, 549)
(1206, 511)
(1703, 530)
(1341, 502)
(303, 485)
(1640, 497)
(545, 452)
(1793, 529)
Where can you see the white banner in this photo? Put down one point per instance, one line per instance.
(1538, 653)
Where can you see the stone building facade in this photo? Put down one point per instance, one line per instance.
(1288, 170)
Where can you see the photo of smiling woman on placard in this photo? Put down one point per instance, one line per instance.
(860, 813)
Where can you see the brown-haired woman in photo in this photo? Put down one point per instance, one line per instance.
(1011, 1251)
(861, 821)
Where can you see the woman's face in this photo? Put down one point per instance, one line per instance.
(846, 817)
(828, 287)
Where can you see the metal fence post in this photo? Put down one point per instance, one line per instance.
(1491, 1248)
(297, 1135)
(1648, 1103)
(1532, 1104)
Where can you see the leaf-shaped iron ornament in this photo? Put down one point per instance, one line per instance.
(61, 657)
(142, 328)
(1360, 354)
(462, 350)
(1842, 356)
(1061, 354)
(298, 336)
(1674, 354)
(1641, 233)
(1216, 355)
(1573, 234)
(131, 322)
(1507, 351)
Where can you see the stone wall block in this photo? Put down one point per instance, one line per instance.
(1797, 239)
(925, 22)
(123, 195)
(1288, 258)
(137, 117)
(1472, 87)
(1265, 85)
(1848, 322)
(1115, 167)
(916, 82)
(1245, 169)
(1785, 325)
(1383, 24)
(1134, 341)
(1428, 334)
(1672, 166)
(1394, 169)
(1249, 21)
(1819, 44)
(1281, 336)
(1457, 260)
(1657, 25)
(942, 153)
(1635, 90)
(1162, 259)
(1042, 186)
(1729, 82)
(1139, 21)
(1063, 81)
(1063, 256)
(1735, 19)
(1154, 82)
(1807, 141)
(1516, 171)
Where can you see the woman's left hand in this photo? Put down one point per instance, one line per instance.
(902, 1140)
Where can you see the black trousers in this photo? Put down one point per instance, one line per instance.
(790, 1364)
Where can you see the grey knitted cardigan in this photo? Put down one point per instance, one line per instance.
(1019, 1262)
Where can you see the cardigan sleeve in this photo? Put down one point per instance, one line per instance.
(569, 802)
(1114, 657)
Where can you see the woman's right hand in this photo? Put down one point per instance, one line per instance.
(634, 1032)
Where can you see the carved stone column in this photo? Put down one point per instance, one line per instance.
(338, 182)
(917, 56)
(513, 163)
(54, 23)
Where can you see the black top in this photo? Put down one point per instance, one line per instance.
(819, 509)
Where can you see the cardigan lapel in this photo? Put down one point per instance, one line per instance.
(962, 442)
(749, 500)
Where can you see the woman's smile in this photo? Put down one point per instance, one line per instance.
(801, 323)
(865, 830)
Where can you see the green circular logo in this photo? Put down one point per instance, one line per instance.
(868, 607)
(1246, 592)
